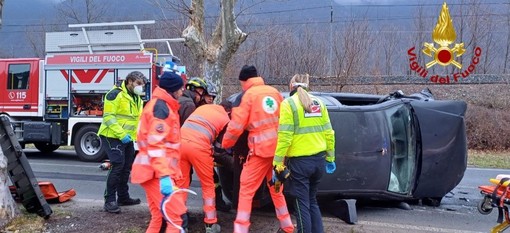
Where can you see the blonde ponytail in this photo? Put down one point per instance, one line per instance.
(302, 82)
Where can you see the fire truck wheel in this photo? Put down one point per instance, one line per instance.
(45, 147)
(88, 144)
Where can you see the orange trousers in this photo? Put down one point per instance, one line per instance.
(175, 209)
(254, 171)
(203, 164)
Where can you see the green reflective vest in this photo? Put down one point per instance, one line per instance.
(121, 113)
(304, 134)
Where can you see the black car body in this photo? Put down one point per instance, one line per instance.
(393, 147)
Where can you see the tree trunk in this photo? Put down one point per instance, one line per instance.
(8, 208)
(226, 39)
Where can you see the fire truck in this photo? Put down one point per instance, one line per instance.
(59, 100)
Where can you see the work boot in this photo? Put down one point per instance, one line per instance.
(111, 207)
(129, 201)
(220, 203)
(212, 228)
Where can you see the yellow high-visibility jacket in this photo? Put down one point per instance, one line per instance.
(121, 113)
(304, 134)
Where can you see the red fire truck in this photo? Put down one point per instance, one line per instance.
(59, 100)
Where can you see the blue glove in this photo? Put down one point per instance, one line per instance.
(126, 139)
(274, 178)
(166, 186)
(330, 167)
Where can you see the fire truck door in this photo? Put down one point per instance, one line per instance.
(20, 80)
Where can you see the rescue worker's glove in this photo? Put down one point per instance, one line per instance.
(224, 159)
(273, 178)
(281, 172)
(330, 167)
(126, 139)
(166, 186)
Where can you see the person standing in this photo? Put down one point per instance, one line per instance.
(122, 108)
(306, 138)
(198, 133)
(156, 166)
(258, 113)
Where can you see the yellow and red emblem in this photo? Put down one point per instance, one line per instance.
(444, 34)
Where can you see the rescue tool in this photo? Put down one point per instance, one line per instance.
(166, 200)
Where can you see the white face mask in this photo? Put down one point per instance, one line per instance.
(138, 90)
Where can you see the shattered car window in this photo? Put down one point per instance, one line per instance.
(402, 148)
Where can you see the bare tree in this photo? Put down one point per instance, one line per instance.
(351, 52)
(8, 208)
(507, 47)
(83, 11)
(213, 54)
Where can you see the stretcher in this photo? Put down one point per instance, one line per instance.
(496, 196)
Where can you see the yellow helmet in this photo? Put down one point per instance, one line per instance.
(196, 82)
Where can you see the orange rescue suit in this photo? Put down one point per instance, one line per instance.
(158, 156)
(198, 133)
(258, 113)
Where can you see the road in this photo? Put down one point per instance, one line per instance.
(457, 212)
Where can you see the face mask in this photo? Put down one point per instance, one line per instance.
(138, 90)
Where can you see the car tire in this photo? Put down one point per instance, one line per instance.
(45, 147)
(87, 144)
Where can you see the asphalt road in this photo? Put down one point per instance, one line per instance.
(457, 212)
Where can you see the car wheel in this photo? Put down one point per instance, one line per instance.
(45, 147)
(485, 206)
(88, 144)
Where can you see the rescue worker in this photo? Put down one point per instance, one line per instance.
(306, 138)
(258, 113)
(221, 205)
(192, 97)
(122, 108)
(197, 136)
(156, 166)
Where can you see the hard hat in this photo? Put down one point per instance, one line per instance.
(211, 89)
(196, 82)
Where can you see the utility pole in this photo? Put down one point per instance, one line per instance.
(330, 71)
(1, 7)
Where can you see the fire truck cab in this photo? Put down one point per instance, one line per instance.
(59, 100)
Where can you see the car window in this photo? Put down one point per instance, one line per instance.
(402, 146)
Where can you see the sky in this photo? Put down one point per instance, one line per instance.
(18, 18)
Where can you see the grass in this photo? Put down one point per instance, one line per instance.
(25, 223)
(489, 159)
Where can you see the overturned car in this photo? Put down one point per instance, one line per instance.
(394, 147)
